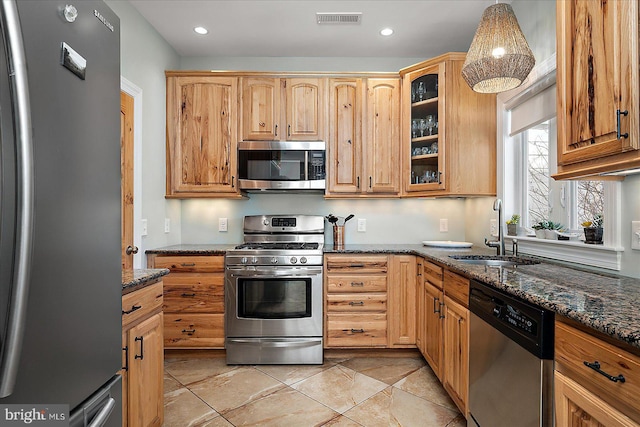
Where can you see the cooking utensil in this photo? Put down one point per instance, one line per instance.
(348, 218)
(332, 218)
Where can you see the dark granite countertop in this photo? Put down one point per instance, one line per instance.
(132, 280)
(605, 302)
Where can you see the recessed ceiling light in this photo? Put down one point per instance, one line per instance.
(201, 30)
(386, 31)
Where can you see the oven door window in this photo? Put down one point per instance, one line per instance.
(272, 165)
(274, 298)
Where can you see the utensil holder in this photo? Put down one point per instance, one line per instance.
(338, 236)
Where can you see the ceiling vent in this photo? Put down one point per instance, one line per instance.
(339, 18)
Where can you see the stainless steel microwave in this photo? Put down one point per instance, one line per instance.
(282, 165)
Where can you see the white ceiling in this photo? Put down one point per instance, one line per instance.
(266, 28)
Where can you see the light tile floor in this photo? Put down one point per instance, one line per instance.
(359, 391)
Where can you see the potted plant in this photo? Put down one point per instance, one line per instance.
(540, 228)
(552, 229)
(512, 225)
(593, 230)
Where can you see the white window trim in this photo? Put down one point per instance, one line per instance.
(608, 255)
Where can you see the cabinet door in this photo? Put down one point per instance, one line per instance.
(402, 301)
(424, 148)
(597, 75)
(420, 313)
(146, 365)
(345, 135)
(576, 406)
(382, 145)
(433, 306)
(260, 106)
(305, 109)
(202, 134)
(456, 352)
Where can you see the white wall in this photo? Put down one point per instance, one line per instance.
(144, 57)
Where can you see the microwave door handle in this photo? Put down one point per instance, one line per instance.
(16, 59)
(306, 165)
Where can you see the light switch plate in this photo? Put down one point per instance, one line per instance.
(167, 225)
(635, 235)
(222, 224)
(493, 227)
(143, 226)
(444, 225)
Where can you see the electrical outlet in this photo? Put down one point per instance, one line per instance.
(167, 225)
(444, 225)
(493, 227)
(222, 224)
(143, 226)
(635, 235)
(362, 225)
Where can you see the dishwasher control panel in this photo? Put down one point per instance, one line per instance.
(514, 317)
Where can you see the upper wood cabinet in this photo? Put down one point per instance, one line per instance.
(201, 136)
(363, 140)
(597, 84)
(458, 155)
(275, 109)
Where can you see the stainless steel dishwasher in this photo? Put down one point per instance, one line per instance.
(510, 360)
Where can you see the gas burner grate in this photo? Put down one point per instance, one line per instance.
(280, 246)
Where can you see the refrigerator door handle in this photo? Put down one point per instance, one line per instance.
(16, 59)
(103, 415)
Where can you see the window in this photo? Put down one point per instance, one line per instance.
(529, 158)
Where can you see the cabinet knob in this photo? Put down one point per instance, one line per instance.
(131, 250)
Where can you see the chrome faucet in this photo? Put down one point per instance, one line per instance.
(499, 243)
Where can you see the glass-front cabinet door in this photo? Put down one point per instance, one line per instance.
(425, 128)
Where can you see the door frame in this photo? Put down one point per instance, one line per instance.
(136, 93)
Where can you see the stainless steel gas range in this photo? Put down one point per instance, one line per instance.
(273, 291)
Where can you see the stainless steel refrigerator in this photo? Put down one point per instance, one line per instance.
(60, 268)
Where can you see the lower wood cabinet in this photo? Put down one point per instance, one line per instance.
(456, 352)
(402, 301)
(585, 391)
(193, 300)
(143, 357)
(433, 325)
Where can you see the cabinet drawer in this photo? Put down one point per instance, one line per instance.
(355, 303)
(432, 273)
(356, 284)
(141, 303)
(574, 347)
(357, 264)
(202, 264)
(194, 293)
(356, 330)
(194, 330)
(456, 287)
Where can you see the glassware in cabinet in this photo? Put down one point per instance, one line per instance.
(424, 130)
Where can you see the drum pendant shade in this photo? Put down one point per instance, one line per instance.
(499, 58)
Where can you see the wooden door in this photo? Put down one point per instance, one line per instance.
(202, 128)
(576, 406)
(345, 135)
(126, 180)
(304, 109)
(597, 75)
(260, 105)
(432, 333)
(146, 373)
(382, 146)
(456, 353)
(402, 301)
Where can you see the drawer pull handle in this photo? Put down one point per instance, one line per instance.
(441, 312)
(618, 133)
(357, 331)
(133, 308)
(188, 264)
(188, 295)
(141, 356)
(596, 367)
(126, 358)
(356, 265)
(188, 331)
(357, 283)
(356, 303)
(436, 305)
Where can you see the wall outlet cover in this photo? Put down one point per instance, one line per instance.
(635, 235)
(362, 225)
(444, 225)
(167, 225)
(222, 224)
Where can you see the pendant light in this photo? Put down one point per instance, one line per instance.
(499, 58)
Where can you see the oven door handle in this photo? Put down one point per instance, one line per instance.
(275, 272)
(301, 342)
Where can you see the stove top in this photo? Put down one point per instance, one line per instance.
(280, 246)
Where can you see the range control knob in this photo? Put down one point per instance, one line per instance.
(293, 260)
(265, 221)
(254, 260)
(244, 260)
(274, 260)
(303, 260)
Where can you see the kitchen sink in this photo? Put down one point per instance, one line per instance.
(493, 260)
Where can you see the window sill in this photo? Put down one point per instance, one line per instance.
(571, 251)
